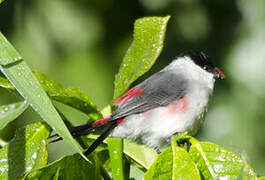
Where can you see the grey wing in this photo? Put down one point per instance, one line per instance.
(159, 90)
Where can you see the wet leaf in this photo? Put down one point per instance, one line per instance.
(19, 74)
(6, 84)
(246, 171)
(215, 162)
(149, 34)
(67, 168)
(173, 163)
(183, 166)
(143, 155)
(10, 112)
(70, 96)
(162, 167)
(25, 152)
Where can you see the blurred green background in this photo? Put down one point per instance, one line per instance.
(81, 44)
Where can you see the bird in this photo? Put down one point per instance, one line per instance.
(171, 102)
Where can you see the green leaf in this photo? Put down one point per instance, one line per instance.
(183, 166)
(21, 77)
(25, 152)
(6, 84)
(162, 168)
(246, 171)
(10, 112)
(67, 168)
(215, 162)
(149, 34)
(70, 96)
(72, 115)
(173, 163)
(141, 154)
(136, 173)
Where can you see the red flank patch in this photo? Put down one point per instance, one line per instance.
(179, 106)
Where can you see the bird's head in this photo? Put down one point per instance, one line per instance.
(204, 62)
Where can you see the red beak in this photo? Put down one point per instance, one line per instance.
(218, 74)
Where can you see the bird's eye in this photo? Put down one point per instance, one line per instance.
(207, 67)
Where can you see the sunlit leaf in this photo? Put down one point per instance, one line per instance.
(143, 155)
(149, 34)
(162, 167)
(10, 112)
(21, 77)
(173, 163)
(25, 152)
(246, 171)
(215, 162)
(183, 166)
(135, 172)
(6, 84)
(67, 168)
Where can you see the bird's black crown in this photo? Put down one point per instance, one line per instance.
(201, 59)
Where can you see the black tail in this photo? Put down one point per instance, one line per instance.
(101, 138)
(103, 127)
(76, 132)
(97, 127)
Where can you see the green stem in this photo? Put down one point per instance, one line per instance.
(115, 146)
